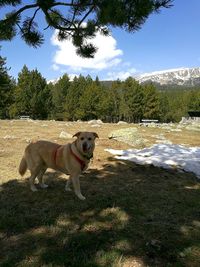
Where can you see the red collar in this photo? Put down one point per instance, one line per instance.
(55, 154)
(82, 163)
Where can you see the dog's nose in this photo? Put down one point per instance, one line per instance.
(85, 146)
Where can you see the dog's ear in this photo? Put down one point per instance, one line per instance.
(77, 134)
(95, 135)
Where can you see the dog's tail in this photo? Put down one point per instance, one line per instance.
(22, 166)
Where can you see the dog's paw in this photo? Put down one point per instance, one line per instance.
(81, 197)
(33, 188)
(67, 188)
(43, 185)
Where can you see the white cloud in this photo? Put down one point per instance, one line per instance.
(122, 75)
(55, 67)
(107, 55)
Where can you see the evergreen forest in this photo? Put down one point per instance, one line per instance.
(86, 99)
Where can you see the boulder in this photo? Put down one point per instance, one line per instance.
(128, 135)
(65, 135)
(95, 122)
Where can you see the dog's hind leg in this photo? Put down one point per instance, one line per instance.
(32, 179)
(40, 178)
(67, 187)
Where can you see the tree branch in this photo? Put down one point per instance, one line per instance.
(55, 25)
(23, 9)
(32, 19)
(62, 18)
(86, 15)
(69, 4)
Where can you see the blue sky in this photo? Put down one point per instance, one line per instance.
(168, 40)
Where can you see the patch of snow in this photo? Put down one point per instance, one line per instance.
(164, 155)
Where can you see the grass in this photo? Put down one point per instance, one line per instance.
(133, 216)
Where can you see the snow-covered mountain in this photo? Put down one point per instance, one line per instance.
(54, 81)
(182, 76)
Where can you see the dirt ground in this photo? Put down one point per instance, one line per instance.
(134, 216)
(16, 134)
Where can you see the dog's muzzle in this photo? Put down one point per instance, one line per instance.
(86, 147)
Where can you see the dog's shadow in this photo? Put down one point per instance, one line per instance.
(142, 213)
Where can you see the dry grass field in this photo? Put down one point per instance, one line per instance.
(133, 215)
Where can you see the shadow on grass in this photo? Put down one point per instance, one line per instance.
(133, 216)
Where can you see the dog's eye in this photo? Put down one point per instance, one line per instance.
(89, 138)
(82, 138)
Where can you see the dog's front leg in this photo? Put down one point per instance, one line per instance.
(76, 184)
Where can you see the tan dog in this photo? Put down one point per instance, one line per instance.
(70, 159)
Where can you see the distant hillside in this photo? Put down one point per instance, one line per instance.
(181, 77)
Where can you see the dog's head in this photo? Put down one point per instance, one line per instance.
(86, 142)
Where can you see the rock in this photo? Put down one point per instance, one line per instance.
(179, 126)
(123, 132)
(95, 122)
(96, 125)
(176, 130)
(159, 136)
(65, 135)
(166, 127)
(164, 141)
(122, 122)
(9, 137)
(184, 120)
(127, 135)
(193, 127)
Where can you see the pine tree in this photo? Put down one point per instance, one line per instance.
(30, 95)
(193, 98)
(6, 90)
(132, 101)
(59, 94)
(49, 107)
(164, 108)
(37, 101)
(22, 95)
(113, 101)
(151, 102)
(72, 104)
(177, 104)
(90, 107)
(104, 105)
(79, 20)
(44, 103)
